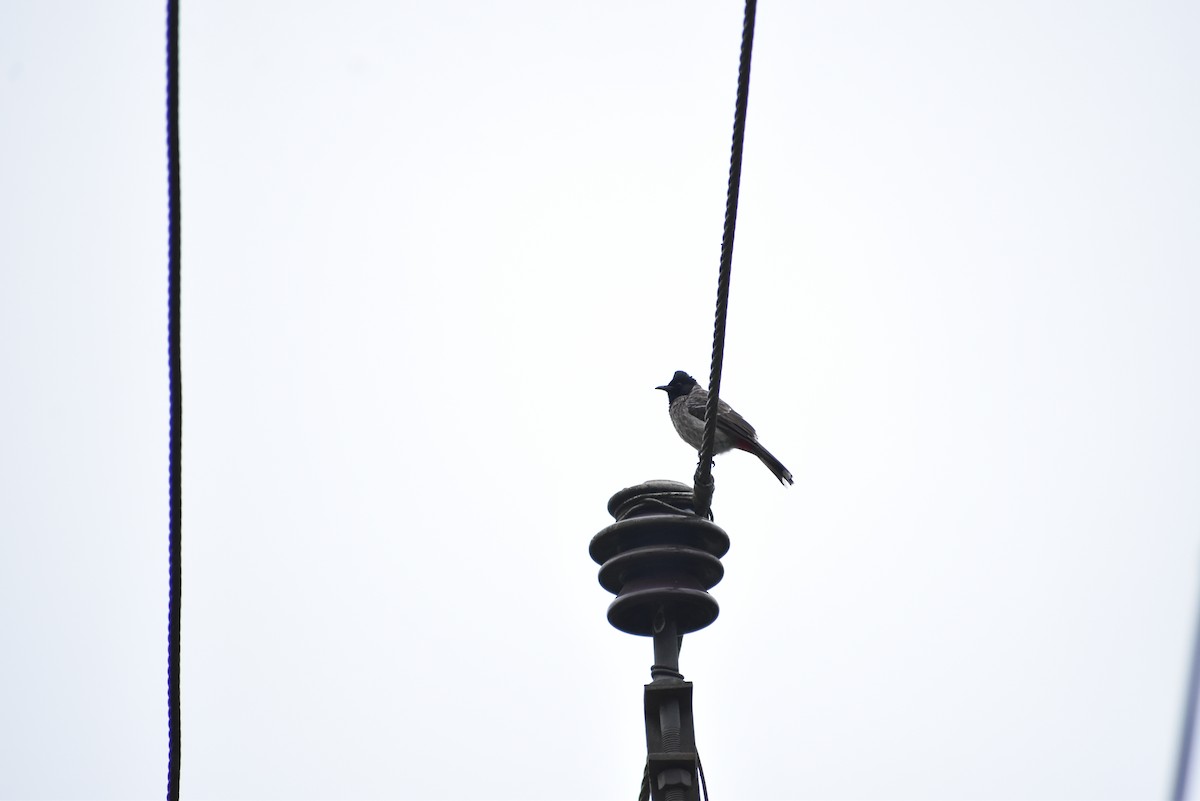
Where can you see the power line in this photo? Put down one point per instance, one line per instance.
(704, 481)
(175, 251)
(1183, 759)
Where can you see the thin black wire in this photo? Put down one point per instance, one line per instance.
(1187, 734)
(174, 616)
(704, 481)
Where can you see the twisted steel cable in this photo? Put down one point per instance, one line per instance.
(704, 481)
(175, 548)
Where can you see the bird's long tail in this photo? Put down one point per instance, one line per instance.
(773, 464)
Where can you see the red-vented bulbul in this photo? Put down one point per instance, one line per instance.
(688, 402)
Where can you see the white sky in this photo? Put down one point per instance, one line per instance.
(437, 256)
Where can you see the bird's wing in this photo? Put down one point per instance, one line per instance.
(728, 420)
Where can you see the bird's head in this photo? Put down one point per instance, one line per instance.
(681, 384)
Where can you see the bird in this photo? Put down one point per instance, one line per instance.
(687, 403)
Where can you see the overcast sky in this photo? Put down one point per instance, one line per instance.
(436, 258)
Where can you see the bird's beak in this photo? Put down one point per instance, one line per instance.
(663, 388)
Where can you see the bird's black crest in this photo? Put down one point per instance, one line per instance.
(681, 384)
